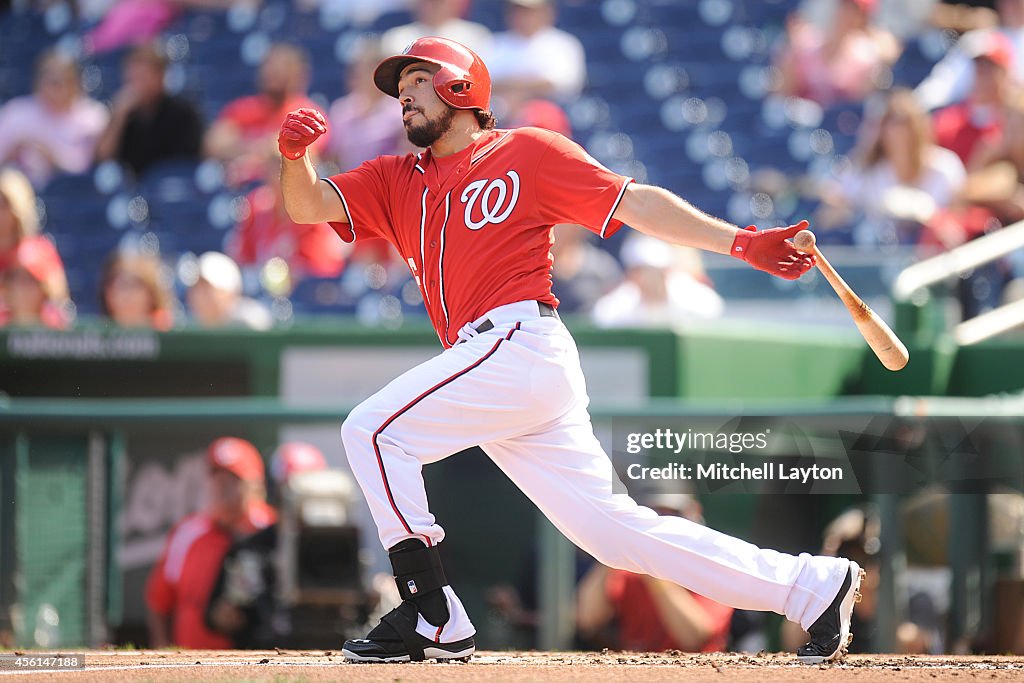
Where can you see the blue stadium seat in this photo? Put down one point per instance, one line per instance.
(320, 295)
(763, 12)
(390, 20)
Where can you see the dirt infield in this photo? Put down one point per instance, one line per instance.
(317, 665)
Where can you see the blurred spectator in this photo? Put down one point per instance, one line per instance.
(995, 178)
(962, 126)
(373, 266)
(357, 14)
(367, 110)
(928, 523)
(249, 124)
(960, 16)
(900, 179)
(534, 59)
(215, 296)
(265, 232)
(179, 584)
(952, 79)
(244, 602)
(516, 604)
(147, 124)
(908, 19)
(19, 218)
(663, 286)
(34, 290)
(132, 22)
(542, 114)
(969, 128)
(839, 63)
(55, 129)
(134, 292)
(855, 534)
(652, 615)
(582, 272)
(437, 18)
(295, 457)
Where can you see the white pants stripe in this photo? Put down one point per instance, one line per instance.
(518, 392)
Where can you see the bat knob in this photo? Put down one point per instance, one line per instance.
(804, 241)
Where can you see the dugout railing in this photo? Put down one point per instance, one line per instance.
(919, 312)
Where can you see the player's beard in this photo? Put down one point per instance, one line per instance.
(426, 134)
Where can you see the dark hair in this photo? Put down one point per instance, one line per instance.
(485, 119)
(151, 53)
(297, 52)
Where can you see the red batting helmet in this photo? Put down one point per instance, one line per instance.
(462, 82)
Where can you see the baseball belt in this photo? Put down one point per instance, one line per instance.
(546, 311)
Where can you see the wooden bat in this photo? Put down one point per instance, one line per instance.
(882, 340)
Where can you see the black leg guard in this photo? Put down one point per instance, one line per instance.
(420, 577)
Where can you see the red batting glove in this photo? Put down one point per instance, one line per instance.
(770, 251)
(300, 129)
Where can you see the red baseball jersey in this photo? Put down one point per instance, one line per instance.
(475, 227)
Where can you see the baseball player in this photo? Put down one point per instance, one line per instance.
(472, 216)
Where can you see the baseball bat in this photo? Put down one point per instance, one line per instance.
(882, 340)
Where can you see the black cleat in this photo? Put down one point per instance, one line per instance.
(830, 633)
(395, 639)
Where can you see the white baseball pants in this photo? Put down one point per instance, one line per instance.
(517, 390)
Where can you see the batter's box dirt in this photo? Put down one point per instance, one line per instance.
(630, 667)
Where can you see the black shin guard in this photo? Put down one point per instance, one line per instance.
(420, 577)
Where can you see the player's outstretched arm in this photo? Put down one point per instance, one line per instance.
(657, 212)
(306, 199)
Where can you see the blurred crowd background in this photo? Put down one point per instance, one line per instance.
(139, 190)
(140, 175)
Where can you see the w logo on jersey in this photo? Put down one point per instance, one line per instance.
(492, 195)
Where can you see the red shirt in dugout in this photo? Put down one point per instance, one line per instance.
(640, 626)
(181, 581)
(475, 227)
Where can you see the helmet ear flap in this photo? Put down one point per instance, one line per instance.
(451, 86)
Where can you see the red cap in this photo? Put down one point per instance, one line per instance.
(996, 48)
(295, 457)
(237, 456)
(545, 114)
(40, 259)
(866, 6)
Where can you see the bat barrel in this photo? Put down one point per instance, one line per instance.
(887, 347)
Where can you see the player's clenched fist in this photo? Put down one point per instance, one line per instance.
(770, 251)
(300, 129)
